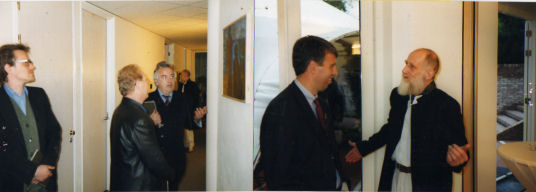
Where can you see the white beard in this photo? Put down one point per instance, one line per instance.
(413, 88)
(403, 88)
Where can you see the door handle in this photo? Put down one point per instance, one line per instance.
(106, 117)
(71, 133)
(528, 95)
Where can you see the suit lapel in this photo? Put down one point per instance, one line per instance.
(157, 98)
(8, 112)
(33, 100)
(310, 116)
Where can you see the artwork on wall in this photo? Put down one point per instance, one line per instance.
(234, 60)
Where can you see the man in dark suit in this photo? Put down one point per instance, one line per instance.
(298, 149)
(190, 93)
(137, 162)
(174, 114)
(424, 134)
(29, 131)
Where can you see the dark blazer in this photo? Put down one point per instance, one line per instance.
(191, 98)
(15, 168)
(436, 122)
(137, 162)
(296, 152)
(171, 134)
(191, 92)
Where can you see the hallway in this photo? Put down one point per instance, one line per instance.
(195, 175)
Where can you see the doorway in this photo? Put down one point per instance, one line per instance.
(95, 117)
(515, 84)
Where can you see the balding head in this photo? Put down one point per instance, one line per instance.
(421, 69)
(429, 57)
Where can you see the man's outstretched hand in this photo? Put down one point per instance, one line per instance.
(354, 155)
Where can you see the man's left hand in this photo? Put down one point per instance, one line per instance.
(199, 113)
(457, 155)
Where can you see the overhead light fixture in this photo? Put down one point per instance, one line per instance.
(356, 48)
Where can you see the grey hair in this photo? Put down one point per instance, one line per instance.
(161, 65)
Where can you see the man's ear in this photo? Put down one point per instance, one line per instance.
(430, 74)
(7, 68)
(311, 66)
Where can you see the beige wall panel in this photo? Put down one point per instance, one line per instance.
(135, 45)
(486, 95)
(7, 19)
(94, 101)
(47, 28)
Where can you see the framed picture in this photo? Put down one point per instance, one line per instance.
(234, 60)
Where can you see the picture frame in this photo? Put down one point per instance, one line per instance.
(234, 60)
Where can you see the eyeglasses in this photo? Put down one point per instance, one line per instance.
(24, 61)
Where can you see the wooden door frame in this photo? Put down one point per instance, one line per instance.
(467, 87)
(480, 93)
(110, 80)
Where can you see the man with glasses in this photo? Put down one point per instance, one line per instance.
(173, 115)
(29, 131)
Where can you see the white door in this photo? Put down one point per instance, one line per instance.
(94, 132)
(528, 126)
(47, 28)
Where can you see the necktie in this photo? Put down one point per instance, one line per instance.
(167, 100)
(320, 115)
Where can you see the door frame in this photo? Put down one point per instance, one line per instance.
(468, 88)
(528, 81)
(480, 59)
(110, 85)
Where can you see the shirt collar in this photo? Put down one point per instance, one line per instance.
(14, 94)
(429, 88)
(426, 91)
(308, 95)
(137, 103)
(163, 96)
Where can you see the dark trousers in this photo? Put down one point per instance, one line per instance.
(174, 184)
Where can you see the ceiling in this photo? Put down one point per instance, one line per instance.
(180, 21)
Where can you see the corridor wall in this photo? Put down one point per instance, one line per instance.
(229, 121)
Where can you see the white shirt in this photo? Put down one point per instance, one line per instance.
(402, 153)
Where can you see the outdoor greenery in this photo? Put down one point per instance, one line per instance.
(339, 4)
(511, 40)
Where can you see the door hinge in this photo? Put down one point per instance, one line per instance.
(18, 5)
(19, 38)
(528, 33)
(528, 53)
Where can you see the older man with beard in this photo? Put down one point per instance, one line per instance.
(424, 135)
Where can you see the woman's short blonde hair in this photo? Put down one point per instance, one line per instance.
(127, 78)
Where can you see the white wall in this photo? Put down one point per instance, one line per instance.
(135, 45)
(47, 28)
(8, 18)
(266, 68)
(230, 122)
(390, 31)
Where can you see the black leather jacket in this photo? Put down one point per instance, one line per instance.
(137, 162)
